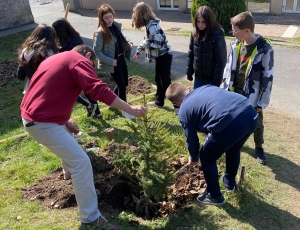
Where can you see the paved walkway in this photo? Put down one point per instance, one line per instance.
(267, 25)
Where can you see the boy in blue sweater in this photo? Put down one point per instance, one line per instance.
(228, 117)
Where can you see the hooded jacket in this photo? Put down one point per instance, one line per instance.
(207, 58)
(259, 73)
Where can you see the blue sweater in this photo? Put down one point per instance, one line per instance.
(208, 109)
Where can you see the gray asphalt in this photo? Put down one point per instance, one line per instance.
(286, 85)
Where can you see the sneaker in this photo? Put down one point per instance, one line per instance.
(91, 110)
(98, 116)
(77, 136)
(176, 110)
(229, 189)
(260, 156)
(100, 221)
(153, 103)
(205, 198)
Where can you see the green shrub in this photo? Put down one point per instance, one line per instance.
(223, 10)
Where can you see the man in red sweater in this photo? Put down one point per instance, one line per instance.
(47, 107)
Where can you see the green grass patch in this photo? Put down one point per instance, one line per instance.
(10, 44)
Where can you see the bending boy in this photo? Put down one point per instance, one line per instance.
(204, 110)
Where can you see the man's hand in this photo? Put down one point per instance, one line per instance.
(72, 127)
(137, 56)
(138, 111)
(115, 62)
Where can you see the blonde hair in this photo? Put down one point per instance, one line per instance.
(176, 92)
(142, 15)
(104, 9)
(244, 20)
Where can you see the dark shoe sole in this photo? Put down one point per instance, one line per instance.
(211, 203)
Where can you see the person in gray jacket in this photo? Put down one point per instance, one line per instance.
(111, 48)
(249, 71)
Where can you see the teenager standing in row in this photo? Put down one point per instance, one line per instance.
(207, 50)
(111, 48)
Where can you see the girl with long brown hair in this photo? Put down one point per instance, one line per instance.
(111, 48)
(207, 50)
(37, 47)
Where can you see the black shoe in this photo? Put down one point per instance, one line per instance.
(229, 189)
(205, 198)
(91, 109)
(260, 156)
(98, 116)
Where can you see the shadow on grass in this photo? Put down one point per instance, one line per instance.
(259, 214)
(285, 170)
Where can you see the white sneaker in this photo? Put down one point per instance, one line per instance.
(77, 136)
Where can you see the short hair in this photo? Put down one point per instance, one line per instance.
(176, 92)
(84, 49)
(244, 20)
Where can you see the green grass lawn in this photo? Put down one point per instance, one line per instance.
(269, 197)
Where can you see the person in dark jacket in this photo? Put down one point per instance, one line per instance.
(228, 118)
(207, 50)
(67, 38)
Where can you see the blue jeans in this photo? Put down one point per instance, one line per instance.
(230, 141)
(198, 83)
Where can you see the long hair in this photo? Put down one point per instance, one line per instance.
(64, 31)
(104, 9)
(209, 19)
(142, 15)
(42, 42)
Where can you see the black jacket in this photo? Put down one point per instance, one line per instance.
(207, 58)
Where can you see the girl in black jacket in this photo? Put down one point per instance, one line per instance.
(207, 50)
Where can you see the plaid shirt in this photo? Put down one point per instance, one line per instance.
(155, 43)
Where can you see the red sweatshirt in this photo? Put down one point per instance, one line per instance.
(56, 85)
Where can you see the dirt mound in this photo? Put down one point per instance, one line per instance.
(112, 190)
(8, 69)
(136, 85)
